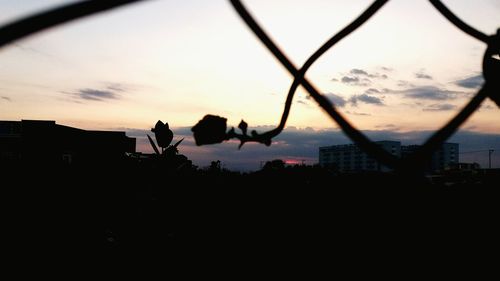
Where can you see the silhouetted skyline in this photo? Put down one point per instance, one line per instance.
(300, 146)
(296, 144)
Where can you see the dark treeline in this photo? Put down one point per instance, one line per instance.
(278, 212)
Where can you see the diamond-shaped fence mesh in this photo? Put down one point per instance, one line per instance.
(413, 163)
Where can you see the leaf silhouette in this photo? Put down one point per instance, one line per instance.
(153, 144)
(177, 143)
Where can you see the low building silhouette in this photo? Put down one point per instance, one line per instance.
(350, 158)
(443, 158)
(466, 166)
(47, 143)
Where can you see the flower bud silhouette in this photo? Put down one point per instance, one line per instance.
(211, 129)
(163, 134)
(243, 127)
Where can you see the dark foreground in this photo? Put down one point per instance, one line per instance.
(287, 216)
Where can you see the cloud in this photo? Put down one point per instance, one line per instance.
(413, 104)
(404, 84)
(375, 91)
(365, 99)
(6, 98)
(116, 87)
(422, 75)
(133, 132)
(361, 72)
(336, 99)
(360, 77)
(356, 81)
(387, 127)
(334, 79)
(347, 79)
(372, 91)
(430, 93)
(95, 95)
(358, 113)
(294, 143)
(32, 50)
(358, 72)
(388, 69)
(472, 82)
(99, 95)
(440, 107)
(364, 83)
(487, 107)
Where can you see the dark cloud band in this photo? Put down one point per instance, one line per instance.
(472, 82)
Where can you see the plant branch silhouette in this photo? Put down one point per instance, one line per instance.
(266, 137)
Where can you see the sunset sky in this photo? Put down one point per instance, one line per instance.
(402, 74)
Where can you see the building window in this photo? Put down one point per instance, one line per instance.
(67, 158)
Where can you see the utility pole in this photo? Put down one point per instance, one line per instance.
(490, 151)
(489, 157)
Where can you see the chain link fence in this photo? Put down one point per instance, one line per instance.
(212, 129)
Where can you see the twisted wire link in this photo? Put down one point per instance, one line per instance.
(491, 88)
(416, 161)
(299, 77)
(420, 157)
(450, 16)
(37, 22)
(360, 139)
